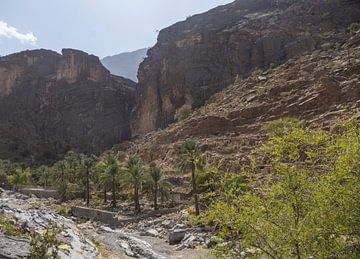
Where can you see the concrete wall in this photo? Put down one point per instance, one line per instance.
(110, 218)
(105, 217)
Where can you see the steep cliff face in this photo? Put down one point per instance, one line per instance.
(50, 103)
(320, 88)
(196, 58)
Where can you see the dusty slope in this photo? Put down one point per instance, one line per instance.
(198, 57)
(319, 88)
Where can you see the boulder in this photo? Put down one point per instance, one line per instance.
(14, 247)
(176, 235)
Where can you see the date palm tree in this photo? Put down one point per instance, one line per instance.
(60, 175)
(111, 175)
(44, 175)
(87, 164)
(134, 178)
(188, 161)
(156, 183)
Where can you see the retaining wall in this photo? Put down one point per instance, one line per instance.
(111, 218)
(103, 216)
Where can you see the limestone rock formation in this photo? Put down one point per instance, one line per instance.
(320, 88)
(50, 103)
(198, 57)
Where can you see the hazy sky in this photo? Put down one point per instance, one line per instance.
(100, 27)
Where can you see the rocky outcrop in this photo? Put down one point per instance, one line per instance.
(50, 103)
(198, 57)
(14, 247)
(320, 88)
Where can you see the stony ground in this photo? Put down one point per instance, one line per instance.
(147, 238)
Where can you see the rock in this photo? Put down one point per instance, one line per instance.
(14, 247)
(152, 232)
(176, 235)
(126, 248)
(167, 224)
(262, 78)
(188, 240)
(202, 55)
(63, 102)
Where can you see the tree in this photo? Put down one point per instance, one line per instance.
(111, 175)
(156, 184)
(306, 205)
(103, 178)
(134, 178)
(44, 175)
(6, 168)
(189, 160)
(20, 177)
(60, 174)
(86, 168)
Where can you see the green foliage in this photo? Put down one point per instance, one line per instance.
(281, 126)
(46, 244)
(354, 27)
(44, 175)
(134, 178)
(110, 177)
(156, 184)
(20, 177)
(6, 169)
(182, 113)
(190, 159)
(307, 205)
(8, 227)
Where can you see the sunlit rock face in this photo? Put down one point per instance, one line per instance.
(195, 58)
(51, 103)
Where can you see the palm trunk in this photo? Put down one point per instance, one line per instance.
(197, 211)
(84, 194)
(155, 196)
(113, 193)
(87, 188)
(105, 195)
(136, 199)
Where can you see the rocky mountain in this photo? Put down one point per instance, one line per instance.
(50, 103)
(125, 64)
(319, 88)
(198, 57)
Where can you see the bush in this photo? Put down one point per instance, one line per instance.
(354, 27)
(46, 244)
(306, 206)
(182, 113)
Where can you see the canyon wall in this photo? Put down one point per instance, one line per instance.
(198, 57)
(51, 103)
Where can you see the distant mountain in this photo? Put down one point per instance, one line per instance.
(125, 64)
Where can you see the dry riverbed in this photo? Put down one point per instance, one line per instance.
(148, 238)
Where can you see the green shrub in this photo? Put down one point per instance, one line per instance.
(307, 205)
(354, 27)
(182, 113)
(46, 244)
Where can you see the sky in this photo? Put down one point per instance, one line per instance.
(99, 27)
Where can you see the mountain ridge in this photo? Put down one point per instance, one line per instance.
(125, 64)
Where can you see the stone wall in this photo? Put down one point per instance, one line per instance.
(105, 217)
(111, 219)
